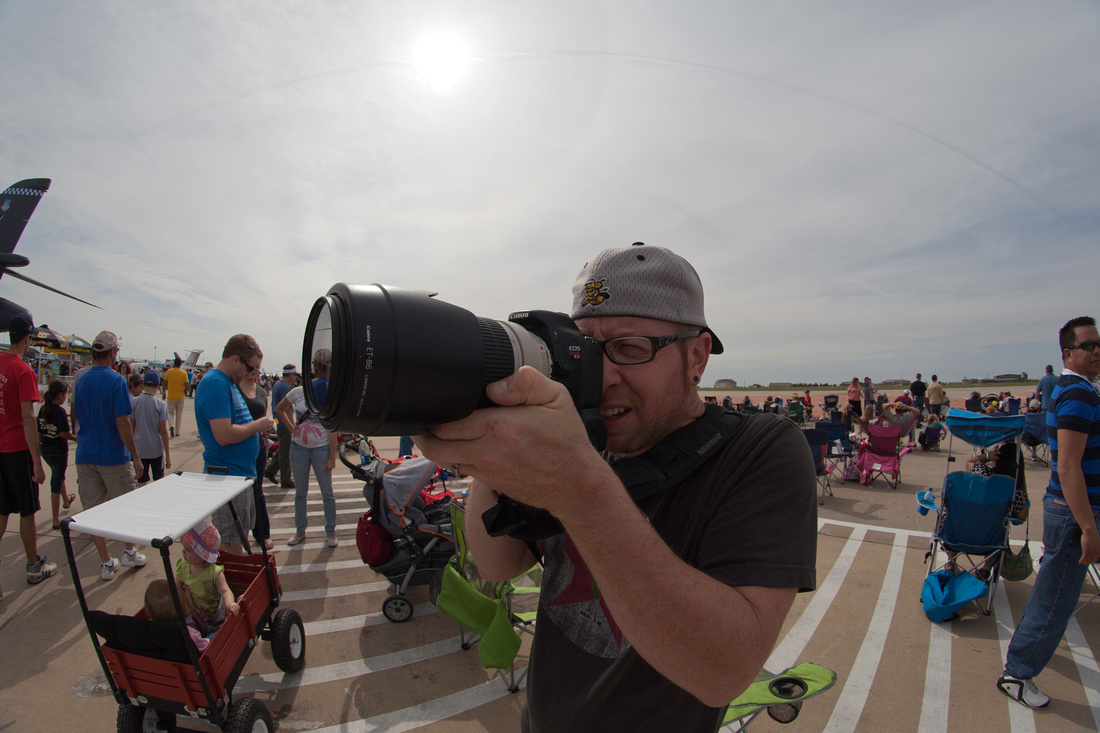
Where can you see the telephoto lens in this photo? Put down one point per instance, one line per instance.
(403, 361)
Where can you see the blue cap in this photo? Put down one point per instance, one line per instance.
(20, 326)
(151, 377)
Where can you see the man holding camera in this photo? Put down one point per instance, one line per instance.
(658, 607)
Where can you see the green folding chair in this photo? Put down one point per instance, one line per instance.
(796, 412)
(780, 694)
(485, 607)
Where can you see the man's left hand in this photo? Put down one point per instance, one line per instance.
(527, 448)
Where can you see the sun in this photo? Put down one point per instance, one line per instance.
(441, 59)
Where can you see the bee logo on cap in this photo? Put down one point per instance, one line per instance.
(594, 294)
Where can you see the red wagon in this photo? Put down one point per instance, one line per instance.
(155, 671)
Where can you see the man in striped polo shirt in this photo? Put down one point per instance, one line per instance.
(1071, 510)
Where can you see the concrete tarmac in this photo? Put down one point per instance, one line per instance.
(897, 671)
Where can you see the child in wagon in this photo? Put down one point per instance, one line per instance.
(203, 578)
(159, 607)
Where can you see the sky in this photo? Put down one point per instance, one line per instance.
(866, 189)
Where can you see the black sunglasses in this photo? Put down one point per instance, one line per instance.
(1088, 346)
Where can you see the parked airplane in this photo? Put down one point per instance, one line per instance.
(17, 203)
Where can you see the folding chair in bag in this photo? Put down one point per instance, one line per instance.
(972, 524)
(880, 455)
(485, 607)
(1034, 437)
(780, 694)
(819, 446)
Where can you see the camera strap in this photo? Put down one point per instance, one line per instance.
(663, 466)
(679, 454)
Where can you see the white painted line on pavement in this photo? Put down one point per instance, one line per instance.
(788, 651)
(351, 623)
(429, 712)
(937, 680)
(333, 591)
(1086, 667)
(320, 567)
(821, 523)
(346, 670)
(289, 504)
(858, 686)
(1021, 719)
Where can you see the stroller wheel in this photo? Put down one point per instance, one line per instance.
(397, 609)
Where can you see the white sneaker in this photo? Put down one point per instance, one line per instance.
(133, 559)
(330, 541)
(296, 539)
(40, 570)
(108, 569)
(1023, 691)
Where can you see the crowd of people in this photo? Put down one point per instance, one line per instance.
(701, 539)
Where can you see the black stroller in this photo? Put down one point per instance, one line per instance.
(405, 536)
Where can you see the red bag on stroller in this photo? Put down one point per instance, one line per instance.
(374, 541)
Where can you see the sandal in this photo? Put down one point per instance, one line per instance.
(57, 526)
(67, 502)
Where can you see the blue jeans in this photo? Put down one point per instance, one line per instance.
(405, 446)
(301, 459)
(1056, 593)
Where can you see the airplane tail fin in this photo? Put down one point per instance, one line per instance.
(192, 359)
(17, 203)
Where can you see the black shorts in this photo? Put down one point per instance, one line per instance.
(156, 465)
(18, 491)
(57, 458)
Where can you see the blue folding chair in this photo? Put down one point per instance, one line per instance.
(1034, 437)
(819, 445)
(839, 453)
(972, 523)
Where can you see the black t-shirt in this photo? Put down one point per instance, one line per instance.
(747, 516)
(918, 388)
(52, 421)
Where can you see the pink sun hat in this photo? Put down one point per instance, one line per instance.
(204, 540)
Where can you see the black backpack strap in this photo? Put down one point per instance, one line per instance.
(679, 454)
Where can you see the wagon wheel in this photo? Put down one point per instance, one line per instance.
(397, 609)
(288, 640)
(248, 715)
(137, 719)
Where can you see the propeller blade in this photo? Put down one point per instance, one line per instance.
(24, 278)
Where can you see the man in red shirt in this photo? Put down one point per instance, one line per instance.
(20, 462)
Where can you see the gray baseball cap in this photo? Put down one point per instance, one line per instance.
(641, 281)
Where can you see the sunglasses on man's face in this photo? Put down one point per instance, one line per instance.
(1088, 346)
